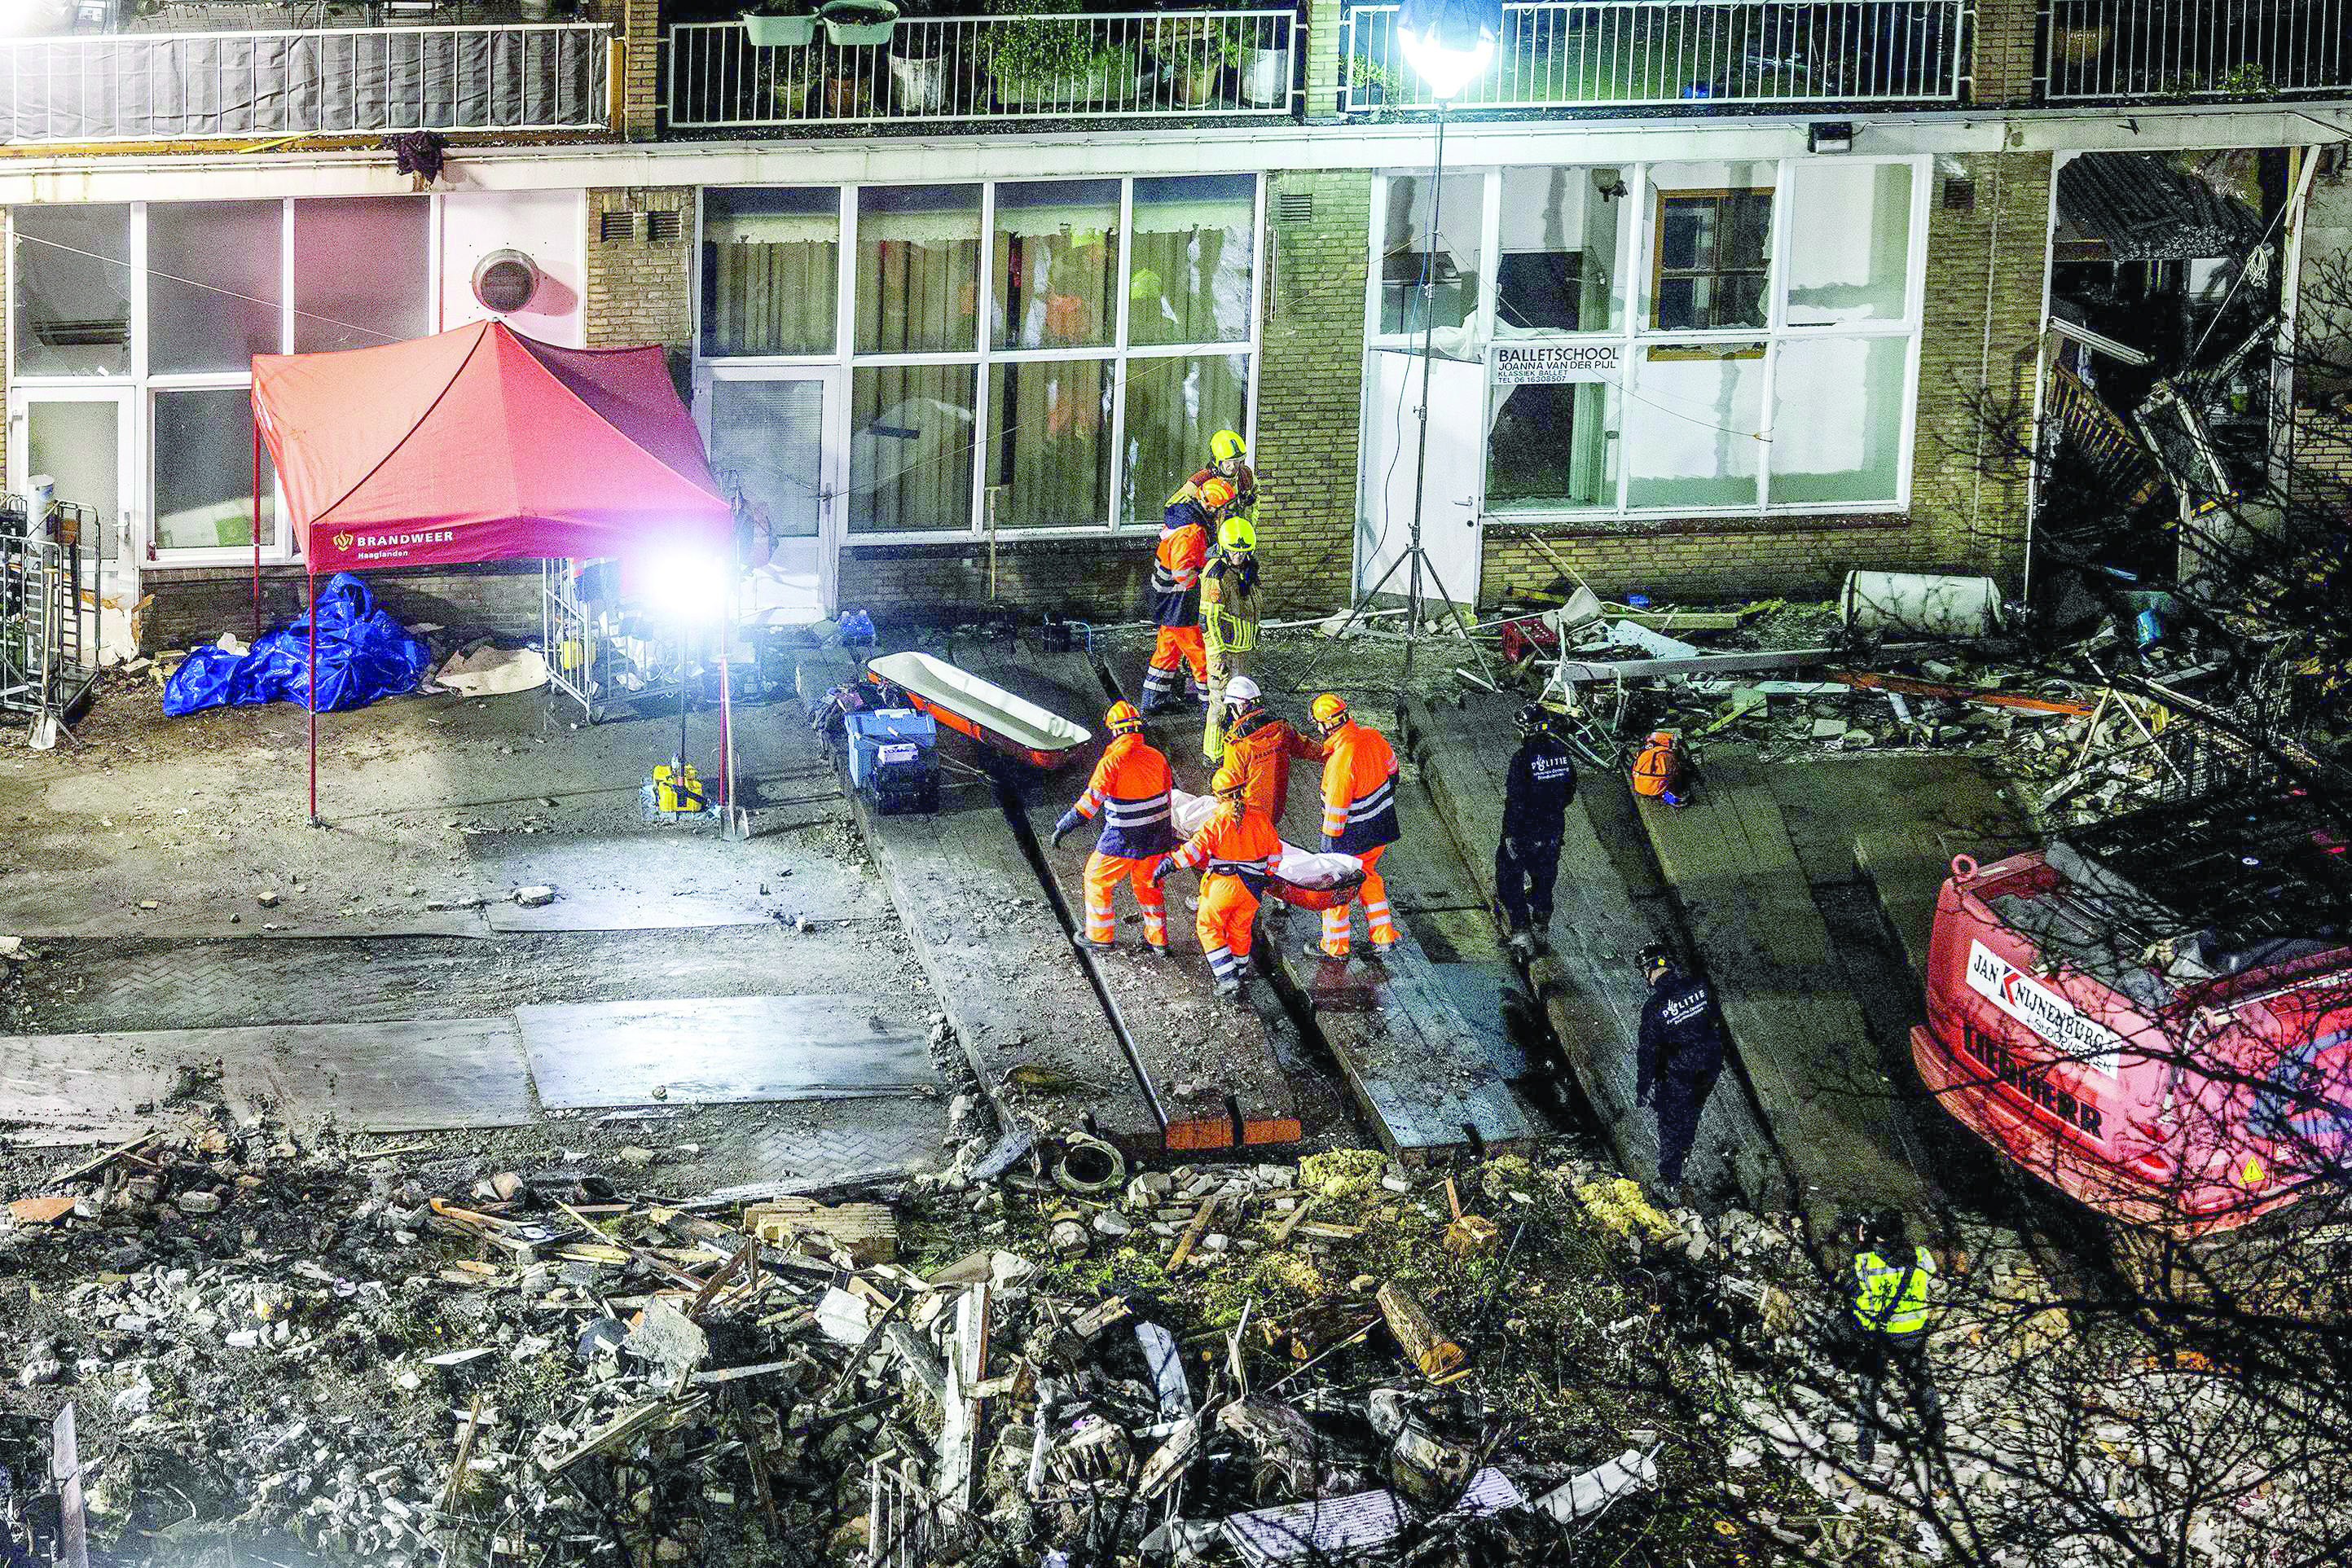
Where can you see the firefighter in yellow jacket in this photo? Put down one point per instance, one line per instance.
(1235, 854)
(1228, 621)
(1130, 787)
(1360, 818)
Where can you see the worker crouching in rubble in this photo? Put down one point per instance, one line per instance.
(1130, 787)
(1236, 854)
(1184, 535)
(1682, 1050)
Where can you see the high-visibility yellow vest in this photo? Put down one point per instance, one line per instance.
(1892, 1297)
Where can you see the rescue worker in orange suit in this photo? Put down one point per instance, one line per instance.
(1184, 535)
(1229, 461)
(1235, 854)
(1259, 746)
(1360, 818)
(1130, 787)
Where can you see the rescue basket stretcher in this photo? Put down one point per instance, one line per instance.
(1306, 879)
(984, 711)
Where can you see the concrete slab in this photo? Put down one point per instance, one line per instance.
(1586, 986)
(417, 1075)
(726, 1049)
(595, 910)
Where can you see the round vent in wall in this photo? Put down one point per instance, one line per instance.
(505, 280)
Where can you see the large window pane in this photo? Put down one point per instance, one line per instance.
(1049, 442)
(203, 471)
(1173, 406)
(1554, 448)
(770, 271)
(910, 447)
(1192, 251)
(769, 435)
(1558, 266)
(213, 293)
(1837, 420)
(1868, 208)
(1056, 255)
(73, 291)
(361, 269)
(1691, 419)
(1404, 251)
(918, 270)
(79, 445)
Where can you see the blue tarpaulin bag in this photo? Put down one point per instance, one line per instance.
(363, 654)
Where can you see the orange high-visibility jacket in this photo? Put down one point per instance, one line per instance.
(1359, 791)
(1249, 848)
(1259, 747)
(1176, 565)
(1130, 787)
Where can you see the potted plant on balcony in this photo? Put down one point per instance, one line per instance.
(1039, 57)
(1197, 60)
(858, 23)
(920, 53)
(1265, 76)
(1371, 84)
(779, 24)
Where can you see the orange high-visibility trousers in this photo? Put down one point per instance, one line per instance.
(1176, 647)
(1227, 910)
(1375, 896)
(1104, 873)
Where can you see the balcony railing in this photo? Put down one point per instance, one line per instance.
(1128, 66)
(159, 87)
(1577, 54)
(2195, 49)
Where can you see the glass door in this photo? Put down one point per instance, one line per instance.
(768, 431)
(81, 439)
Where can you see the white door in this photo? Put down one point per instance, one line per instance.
(80, 437)
(768, 430)
(1448, 482)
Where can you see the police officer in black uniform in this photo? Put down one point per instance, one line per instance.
(1682, 1051)
(1535, 793)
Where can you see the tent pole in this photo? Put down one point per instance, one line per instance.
(313, 702)
(256, 531)
(726, 721)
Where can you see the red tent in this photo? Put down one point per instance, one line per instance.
(481, 444)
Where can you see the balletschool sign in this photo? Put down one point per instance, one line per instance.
(1541, 364)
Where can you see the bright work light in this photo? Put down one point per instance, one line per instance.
(1448, 43)
(682, 588)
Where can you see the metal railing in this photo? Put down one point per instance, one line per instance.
(2194, 48)
(1572, 54)
(146, 87)
(1128, 66)
(47, 652)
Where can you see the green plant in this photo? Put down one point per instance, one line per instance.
(1032, 48)
(1371, 81)
(2247, 80)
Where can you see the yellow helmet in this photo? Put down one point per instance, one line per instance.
(1329, 711)
(1124, 718)
(1236, 534)
(1226, 445)
(1227, 783)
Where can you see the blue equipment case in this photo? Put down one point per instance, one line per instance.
(894, 758)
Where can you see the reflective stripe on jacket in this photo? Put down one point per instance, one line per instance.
(1892, 1297)
(1176, 565)
(1229, 602)
(1129, 788)
(1359, 791)
(1249, 848)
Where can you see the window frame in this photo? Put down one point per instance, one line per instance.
(984, 355)
(1772, 284)
(1638, 340)
(140, 384)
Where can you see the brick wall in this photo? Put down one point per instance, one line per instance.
(1097, 579)
(1985, 260)
(2001, 51)
(196, 604)
(640, 289)
(637, 29)
(1310, 387)
(1325, 33)
(1795, 557)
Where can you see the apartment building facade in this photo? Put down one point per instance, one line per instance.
(1719, 296)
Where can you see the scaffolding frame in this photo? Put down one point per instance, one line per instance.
(48, 648)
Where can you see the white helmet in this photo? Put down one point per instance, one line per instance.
(1242, 689)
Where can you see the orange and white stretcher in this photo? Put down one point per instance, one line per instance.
(981, 709)
(1306, 879)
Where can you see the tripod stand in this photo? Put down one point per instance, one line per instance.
(1415, 556)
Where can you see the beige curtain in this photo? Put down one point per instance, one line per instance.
(1190, 286)
(773, 298)
(910, 453)
(918, 296)
(1054, 290)
(1173, 406)
(1051, 438)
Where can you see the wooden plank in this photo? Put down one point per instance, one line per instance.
(1222, 1072)
(1429, 1081)
(716, 1050)
(1587, 985)
(1026, 1017)
(1801, 1038)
